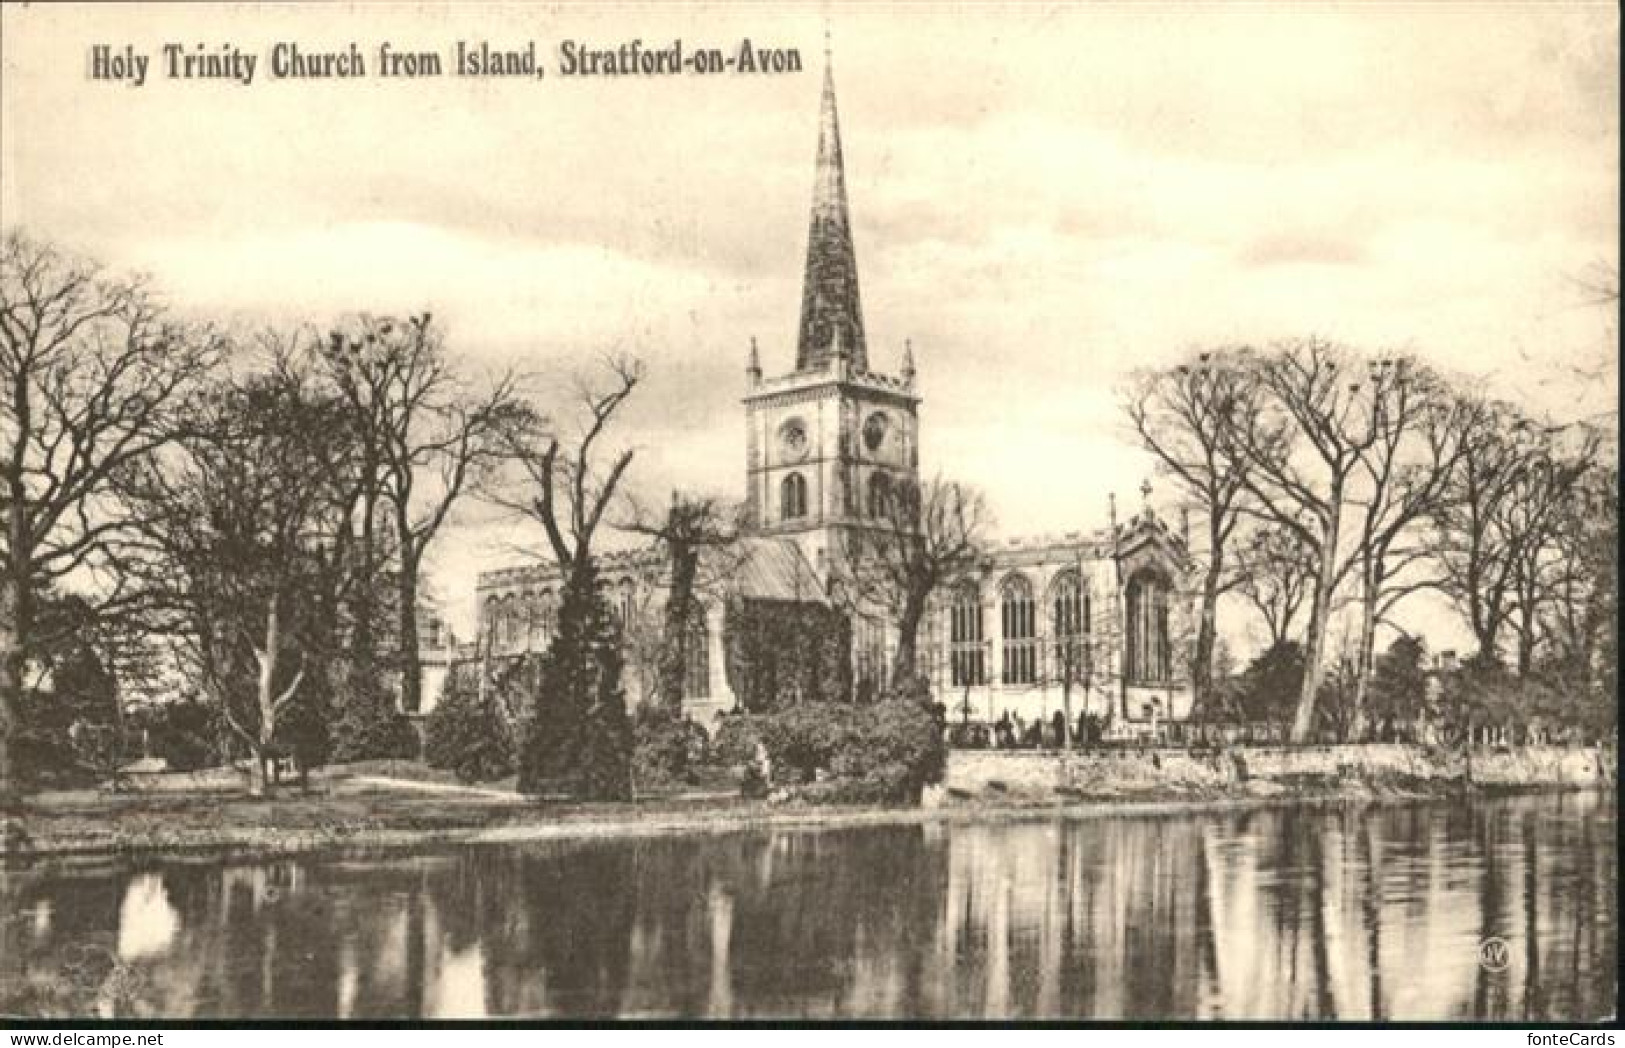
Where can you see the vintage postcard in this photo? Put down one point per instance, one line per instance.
(818, 512)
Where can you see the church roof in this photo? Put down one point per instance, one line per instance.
(831, 313)
(763, 568)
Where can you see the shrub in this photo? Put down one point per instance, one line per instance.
(803, 738)
(884, 753)
(466, 735)
(182, 733)
(892, 751)
(667, 748)
(367, 726)
(736, 739)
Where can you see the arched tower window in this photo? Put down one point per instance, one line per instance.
(793, 497)
(1147, 656)
(880, 495)
(966, 655)
(697, 658)
(1018, 617)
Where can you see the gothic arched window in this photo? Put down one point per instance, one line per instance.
(966, 656)
(1069, 626)
(627, 606)
(541, 619)
(880, 495)
(697, 658)
(505, 621)
(870, 664)
(1147, 655)
(1018, 617)
(493, 615)
(793, 497)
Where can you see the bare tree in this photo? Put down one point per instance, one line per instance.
(427, 438)
(1535, 518)
(95, 381)
(565, 490)
(1497, 522)
(231, 534)
(922, 537)
(692, 528)
(1276, 576)
(1184, 416)
(1300, 454)
(1404, 476)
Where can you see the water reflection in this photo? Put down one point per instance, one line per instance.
(1272, 914)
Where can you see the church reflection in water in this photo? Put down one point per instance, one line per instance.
(1271, 914)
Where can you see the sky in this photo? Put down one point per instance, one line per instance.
(1044, 197)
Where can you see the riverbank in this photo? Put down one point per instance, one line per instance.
(375, 811)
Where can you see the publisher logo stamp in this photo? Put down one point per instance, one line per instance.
(1494, 955)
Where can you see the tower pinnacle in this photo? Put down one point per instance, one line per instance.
(830, 306)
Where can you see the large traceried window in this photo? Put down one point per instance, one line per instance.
(793, 497)
(1069, 627)
(1147, 656)
(1018, 616)
(967, 656)
(697, 658)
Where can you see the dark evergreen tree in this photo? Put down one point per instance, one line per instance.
(468, 733)
(578, 738)
(367, 726)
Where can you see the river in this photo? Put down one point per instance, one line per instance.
(1375, 913)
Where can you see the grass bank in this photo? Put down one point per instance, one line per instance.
(371, 809)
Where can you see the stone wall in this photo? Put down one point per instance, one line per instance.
(1049, 776)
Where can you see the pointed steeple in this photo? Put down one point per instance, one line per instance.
(830, 308)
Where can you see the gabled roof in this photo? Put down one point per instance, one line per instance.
(763, 568)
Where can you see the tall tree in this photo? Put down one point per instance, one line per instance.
(95, 381)
(427, 437)
(230, 533)
(1184, 416)
(1422, 433)
(578, 730)
(921, 537)
(1300, 453)
(692, 528)
(1499, 519)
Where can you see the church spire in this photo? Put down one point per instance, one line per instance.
(831, 313)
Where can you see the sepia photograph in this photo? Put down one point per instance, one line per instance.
(1075, 513)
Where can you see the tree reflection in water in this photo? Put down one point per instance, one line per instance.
(1273, 914)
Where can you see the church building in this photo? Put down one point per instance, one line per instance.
(1098, 622)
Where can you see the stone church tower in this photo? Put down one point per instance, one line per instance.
(827, 443)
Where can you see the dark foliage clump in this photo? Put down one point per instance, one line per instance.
(468, 735)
